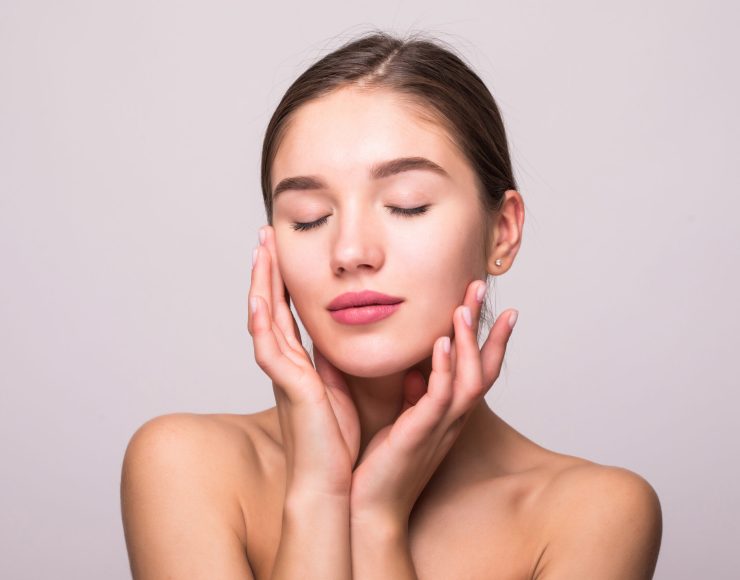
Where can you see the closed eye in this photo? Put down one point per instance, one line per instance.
(409, 211)
(402, 211)
(303, 226)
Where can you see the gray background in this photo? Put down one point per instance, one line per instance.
(130, 135)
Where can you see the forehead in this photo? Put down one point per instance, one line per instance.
(345, 132)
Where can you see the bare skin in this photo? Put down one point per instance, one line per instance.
(487, 500)
(206, 496)
(496, 508)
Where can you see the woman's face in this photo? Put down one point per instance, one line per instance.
(427, 259)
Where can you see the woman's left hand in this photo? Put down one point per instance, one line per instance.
(401, 458)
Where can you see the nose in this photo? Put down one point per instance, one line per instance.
(357, 243)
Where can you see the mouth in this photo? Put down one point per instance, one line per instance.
(360, 299)
(363, 307)
(364, 314)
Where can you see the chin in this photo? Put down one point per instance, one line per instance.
(366, 370)
(377, 363)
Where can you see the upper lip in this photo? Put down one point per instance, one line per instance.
(364, 298)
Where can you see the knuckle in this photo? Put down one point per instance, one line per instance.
(467, 390)
(262, 359)
(476, 389)
(473, 394)
(443, 398)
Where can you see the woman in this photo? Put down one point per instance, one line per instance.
(390, 199)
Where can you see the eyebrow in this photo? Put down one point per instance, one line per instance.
(377, 171)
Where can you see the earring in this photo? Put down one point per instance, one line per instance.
(498, 261)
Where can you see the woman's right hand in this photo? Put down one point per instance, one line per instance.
(318, 420)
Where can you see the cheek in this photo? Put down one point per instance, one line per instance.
(438, 274)
(299, 268)
(431, 266)
(447, 260)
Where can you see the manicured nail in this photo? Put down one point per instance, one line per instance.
(480, 292)
(446, 344)
(254, 257)
(512, 318)
(466, 316)
(261, 234)
(253, 304)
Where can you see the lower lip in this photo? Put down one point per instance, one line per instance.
(364, 314)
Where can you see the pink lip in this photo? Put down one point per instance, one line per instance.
(364, 298)
(364, 314)
(363, 307)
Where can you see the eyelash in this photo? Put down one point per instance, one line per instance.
(402, 211)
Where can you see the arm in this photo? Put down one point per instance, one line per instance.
(380, 549)
(181, 522)
(609, 527)
(314, 542)
(319, 427)
(400, 459)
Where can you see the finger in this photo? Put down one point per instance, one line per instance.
(280, 298)
(437, 408)
(415, 425)
(453, 353)
(297, 331)
(329, 374)
(262, 286)
(255, 288)
(474, 300)
(468, 377)
(258, 288)
(260, 278)
(440, 379)
(268, 354)
(494, 349)
(475, 294)
(281, 310)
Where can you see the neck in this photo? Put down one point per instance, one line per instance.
(379, 401)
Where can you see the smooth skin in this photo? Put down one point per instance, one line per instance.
(320, 426)
(381, 458)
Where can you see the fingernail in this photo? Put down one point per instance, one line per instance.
(466, 316)
(253, 304)
(480, 292)
(261, 234)
(512, 318)
(446, 344)
(254, 257)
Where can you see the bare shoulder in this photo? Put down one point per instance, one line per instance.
(179, 495)
(599, 521)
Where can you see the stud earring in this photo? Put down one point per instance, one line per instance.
(498, 261)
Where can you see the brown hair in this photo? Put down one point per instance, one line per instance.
(426, 74)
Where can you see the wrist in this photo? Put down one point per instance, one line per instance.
(379, 524)
(304, 499)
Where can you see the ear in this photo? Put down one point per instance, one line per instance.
(505, 232)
